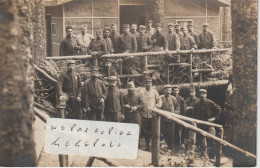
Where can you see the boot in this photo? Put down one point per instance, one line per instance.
(204, 152)
(62, 112)
(64, 160)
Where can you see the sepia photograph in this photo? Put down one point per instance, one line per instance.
(128, 83)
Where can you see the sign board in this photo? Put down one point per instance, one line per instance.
(92, 138)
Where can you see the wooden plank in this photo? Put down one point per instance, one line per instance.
(155, 140)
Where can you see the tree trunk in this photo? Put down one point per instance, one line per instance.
(156, 11)
(244, 38)
(16, 142)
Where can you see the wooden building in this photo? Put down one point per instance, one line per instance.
(100, 13)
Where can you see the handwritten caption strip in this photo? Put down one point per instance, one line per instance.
(91, 138)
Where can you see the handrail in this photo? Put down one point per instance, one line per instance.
(141, 54)
(202, 132)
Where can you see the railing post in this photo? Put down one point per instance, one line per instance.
(95, 61)
(155, 139)
(145, 66)
(190, 72)
(168, 74)
(211, 55)
(219, 147)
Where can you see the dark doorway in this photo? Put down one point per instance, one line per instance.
(48, 35)
(130, 14)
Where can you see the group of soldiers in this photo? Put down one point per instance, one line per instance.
(132, 41)
(106, 102)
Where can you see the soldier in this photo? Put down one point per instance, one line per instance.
(114, 105)
(177, 27)
(84, 39)
(169, 103)
(207, 39)
(68, 45)
(151, 99)
(69, 91)
(159, 40)
(172, 38)
(193, 34)
(114, 36)
(109, 48)
(127, 41)
(182, 106)
(206, 110)
(94, 93)
(190, 101)
(109, 70)
(187, 42)
(97, 47)
(150, 30)
(133, 104)
(134, 30)
(144, 42)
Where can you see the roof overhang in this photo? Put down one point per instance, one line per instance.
(224, 2)
(55, 2)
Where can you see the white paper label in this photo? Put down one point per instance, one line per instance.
(91, 138)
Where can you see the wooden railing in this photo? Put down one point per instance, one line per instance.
(178, 119)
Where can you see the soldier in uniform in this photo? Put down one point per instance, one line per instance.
(207, 38)
(178, 131)
(97, 47)
(84, 39)
(69, 91)
(114, 36)
(114, 105)
(159, 40)
(134, 30)
(109, 48)
(172, 38)
(206, 110)
(127, 41)
(150, 30)
(151, 99)
(69, 45)
(177, 27)
(144, 42)
(169, 103)
(193, 34)
(94, 93)
(187, 41)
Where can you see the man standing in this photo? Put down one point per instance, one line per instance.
(187, 42)
(159, 40)
(193, 34)
(172, 38)
(207, 39)
(94, 93)
(84, 39)
(133, 104)
(169, 103)
(68, 45)
(127, 41)
(151, 99)
(114, 36)
(109, 48)
(178, 30)
(150, 30)
(206, 110)
(182, 106)
(97, 47)
(134, 30)
(114, 105)
(69, 92)
(144, 42)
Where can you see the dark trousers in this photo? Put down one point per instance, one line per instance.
(97, 115)
(146, 128)
(113, 116)
(73, 104)
(167, 132)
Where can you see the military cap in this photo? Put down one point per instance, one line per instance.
(113, 24)
(175, 86)
(142, 27)
(108, 60)
(203, 91)
(168, 86)
(130, 83)
(126, 26)
(205, 24)
(94, 68)
(177, 24)
(71, 62)
(150, 21)
(148, 80)
(192, 89)
(112, 78)
(106, 28)
(98, 32)
(158, 25)
(68, 27)
(134, 24)
(190, 24)
(170, 24)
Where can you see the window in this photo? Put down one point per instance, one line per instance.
(53, 29)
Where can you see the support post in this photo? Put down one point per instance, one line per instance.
(168, 74)
(190, 71)
(210, 61)
(219, 147)
(63, 159)
(155, 140)
(145, 66)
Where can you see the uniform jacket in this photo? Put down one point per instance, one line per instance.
(182, 105)
(133, 100)
(179, 34)
(70, 84)
(170, 104)
(84, 41)
(128, 43)
(67, 46)
(115, 40)
(206, 109)
(190, 103)
(207, 40)
(93, 91)
(187, 42)
(109, 48)
(97, 46)
(161, 40)
(143, 41)
(196, 38)
(151, 31)
(173, 41)
(114, 101)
